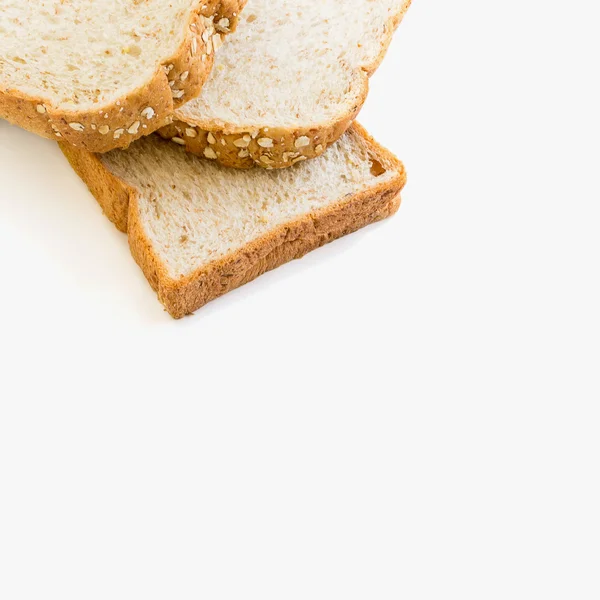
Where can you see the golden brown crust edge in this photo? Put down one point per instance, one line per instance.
(143, 110)
(268, 147)
(292, 240)
(281, 147)
(392, 25)
(111, 192)
(287, 243)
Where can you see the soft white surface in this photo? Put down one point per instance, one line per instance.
(195, 211)
(267, 74)
(410, 413)
(78, 53)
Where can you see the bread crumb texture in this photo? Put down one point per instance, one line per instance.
(194, 212)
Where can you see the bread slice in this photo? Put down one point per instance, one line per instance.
(199, 230)
(289, 82)
(102, 74)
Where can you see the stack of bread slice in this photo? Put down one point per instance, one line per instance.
(257, 161)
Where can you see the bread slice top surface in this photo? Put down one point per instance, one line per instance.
(195, 212)
(79, 54)
(294, 64)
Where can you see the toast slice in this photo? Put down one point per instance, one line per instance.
(289, 82)
(102, 74)
(199, 230)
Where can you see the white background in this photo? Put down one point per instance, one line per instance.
(412, 412)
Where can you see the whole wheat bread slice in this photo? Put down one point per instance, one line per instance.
(102, 74)
(289, 82)
(199, 230)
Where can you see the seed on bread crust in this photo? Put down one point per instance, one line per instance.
(288, 156)
(302, 142)
(265, 142)
(148, 112)
(210, 153)
(76, 126)
(179, 141)
(242, 142)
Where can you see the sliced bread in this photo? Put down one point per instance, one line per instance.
(102, 74)
(199, 230)
(289, 82)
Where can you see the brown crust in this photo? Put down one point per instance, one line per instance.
(111, 192)
(283, 153)
(293, 240)
(284, 244)
(142, 110)
(222, 142)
